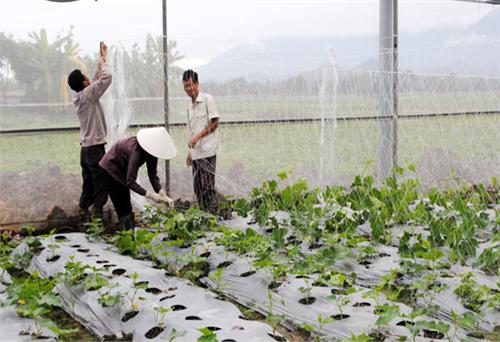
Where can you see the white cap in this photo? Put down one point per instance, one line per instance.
(157, 142)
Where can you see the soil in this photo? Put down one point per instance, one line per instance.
(153, 332)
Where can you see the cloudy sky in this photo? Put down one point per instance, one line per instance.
(206, 28)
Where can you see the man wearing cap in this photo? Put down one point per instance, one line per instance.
(203, 121)
(92, 132)
(121, 165)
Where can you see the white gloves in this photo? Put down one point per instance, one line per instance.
(160, 197)
(167, 200)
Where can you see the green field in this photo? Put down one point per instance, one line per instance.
(264, 150)
(259, 107)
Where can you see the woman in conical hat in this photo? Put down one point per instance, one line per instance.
(121, 165)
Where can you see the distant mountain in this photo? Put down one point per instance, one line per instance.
(474, 51)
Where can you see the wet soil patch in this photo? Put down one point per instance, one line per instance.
(361, 304)
(154, 290)
(433, 334)
(224, 264)
(247, 274)
(129, 315)
(118, 271)
(307, 300)
(178, 307)
(167, 297)
(54, 258)
(274, 285)
(153, 332)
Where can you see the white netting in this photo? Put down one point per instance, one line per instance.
(284, 103)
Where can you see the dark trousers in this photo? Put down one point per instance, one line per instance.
(204, 183)
(119, 194)
(93, 189)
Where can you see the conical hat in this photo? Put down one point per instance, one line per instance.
(157, 142)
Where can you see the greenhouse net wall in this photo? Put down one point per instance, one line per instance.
(320, 123)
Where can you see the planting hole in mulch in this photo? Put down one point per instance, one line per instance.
(109, 266)
(193, 318)
(83, 250)
(92, 255)
(54, 258)
(153, 332)
(172, 289)
(319, 284)
(205, 255)
(307, 300)
(154, 290)
(142, 283)
(365, 263)
(339, 292)
(75, 246)
(178, 307)
(213, 328)
(60, 237)
(118, 271)
(362, 304)
(315, 245)
(433, 334)
(277, 337)
(40, 337)
(95, 288)
(405, 323)
(224, 264)
(302, 277)
(383, 255)
(167, 297)
(129, 315)
(274, 285)
(247, 274)
(102, 261)
(339, 317)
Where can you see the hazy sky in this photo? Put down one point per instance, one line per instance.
(205, 28)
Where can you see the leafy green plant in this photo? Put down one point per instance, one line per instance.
(207, 335)
(134, 288)
(160, 313)
(53, 245)
(133, 242)
(472, 295)
(34, 297)
(217, 277)
(489, 260)
(94, 228)
(273, 319)
(386, 313)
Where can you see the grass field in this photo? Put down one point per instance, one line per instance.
(266, 106)
(264, 150)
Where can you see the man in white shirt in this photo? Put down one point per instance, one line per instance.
(203, 121)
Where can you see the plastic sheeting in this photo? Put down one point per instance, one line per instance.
(250, 288)
(190, 307)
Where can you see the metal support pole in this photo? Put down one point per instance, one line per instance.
(387, 153)
(395, 85)
(165, 90)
